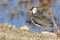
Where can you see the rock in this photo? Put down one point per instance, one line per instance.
(24, 27)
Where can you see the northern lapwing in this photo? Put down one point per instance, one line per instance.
(38, 20)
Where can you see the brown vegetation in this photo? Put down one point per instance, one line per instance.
(10, 32)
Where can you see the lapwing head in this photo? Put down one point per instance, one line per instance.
(34, 10)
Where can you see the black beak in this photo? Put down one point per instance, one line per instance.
(31, 8)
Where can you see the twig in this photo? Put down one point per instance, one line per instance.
(55, 25)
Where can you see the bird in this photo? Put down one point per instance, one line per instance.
(38, 19)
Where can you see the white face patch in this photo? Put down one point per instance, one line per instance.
(34, 10)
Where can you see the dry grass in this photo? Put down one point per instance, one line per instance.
(10, 32)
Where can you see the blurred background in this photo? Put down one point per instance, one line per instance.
(15, 12)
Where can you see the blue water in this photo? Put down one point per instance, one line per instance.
(5, 14)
